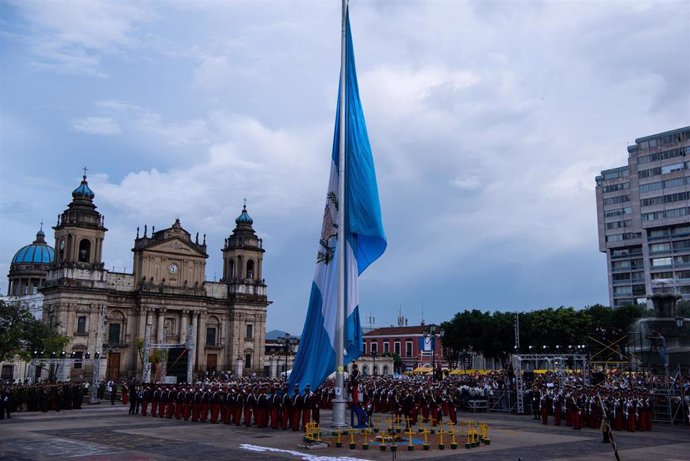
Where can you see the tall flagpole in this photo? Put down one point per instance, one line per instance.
(340, 401)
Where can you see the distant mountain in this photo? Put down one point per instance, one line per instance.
(275, 334)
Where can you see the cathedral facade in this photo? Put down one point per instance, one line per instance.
(107, 312)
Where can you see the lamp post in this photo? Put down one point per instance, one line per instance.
(373, 356)
(288, 342)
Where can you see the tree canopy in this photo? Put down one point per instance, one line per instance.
(493, 334)
(21, 333)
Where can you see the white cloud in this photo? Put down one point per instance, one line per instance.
(96, 125)
(466, 182)
(71, 36)
(488, 122)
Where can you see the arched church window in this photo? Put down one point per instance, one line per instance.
(84, 250)
(239, 267)
(250, 269)
(231, 269)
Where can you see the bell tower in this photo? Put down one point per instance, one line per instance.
(243, 255)
(79, 232)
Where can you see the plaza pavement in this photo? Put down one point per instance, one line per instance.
(104, 432)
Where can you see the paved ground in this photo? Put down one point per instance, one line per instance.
(105, 432)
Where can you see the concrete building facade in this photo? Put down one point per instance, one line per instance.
(643, 216)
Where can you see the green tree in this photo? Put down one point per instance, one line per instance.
(21, 333)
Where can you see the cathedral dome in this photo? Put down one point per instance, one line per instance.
(244, 218)
(83, 191)
(38, 252)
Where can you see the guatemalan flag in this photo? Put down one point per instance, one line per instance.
(365, 242)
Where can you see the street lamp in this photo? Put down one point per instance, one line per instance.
(680, 321)
(288, 342)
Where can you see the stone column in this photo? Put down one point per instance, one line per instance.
(184, 322)
(238, 366)
(161, 323)
(201, 342)
(273, 367)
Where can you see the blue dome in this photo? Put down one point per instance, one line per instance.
(38, 252)
(244, 218)
(83, 191)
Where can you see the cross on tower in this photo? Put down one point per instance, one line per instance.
(85, 169)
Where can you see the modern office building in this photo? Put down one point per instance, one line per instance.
(643, 215)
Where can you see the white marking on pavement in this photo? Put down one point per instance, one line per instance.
(304, 456)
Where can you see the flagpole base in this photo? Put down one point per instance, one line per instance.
(338, 418)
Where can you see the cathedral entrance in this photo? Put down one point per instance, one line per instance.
(113, 367)
(211, 362)
(177, 364)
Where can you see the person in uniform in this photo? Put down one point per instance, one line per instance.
(132, 398)
(205, 403)
(286, 408)
(155, 401)
(196, 404)
(215, 405)
(276, 407)
(297, 406)
(306, 408)
(544, 404)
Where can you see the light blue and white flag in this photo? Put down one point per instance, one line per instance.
(365, 242)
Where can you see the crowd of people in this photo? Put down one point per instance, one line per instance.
(613, 400)
(41, 397)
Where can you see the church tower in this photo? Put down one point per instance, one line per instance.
(243, 254)
(79, 232)
(243, 274)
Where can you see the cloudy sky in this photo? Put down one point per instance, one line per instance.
(488, 121)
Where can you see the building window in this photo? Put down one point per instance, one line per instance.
(374, 348)
(385, 370)
(248, 361)
(211, 336)
(114, 333)
(250, 331)
(231, 269)
(169, 326)
(396, 347)
(81, 325)
(408, 348)
(250, 269)
(84, 250)
(660, 247)
(364, 348)
(657, 262)
(386, 347)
